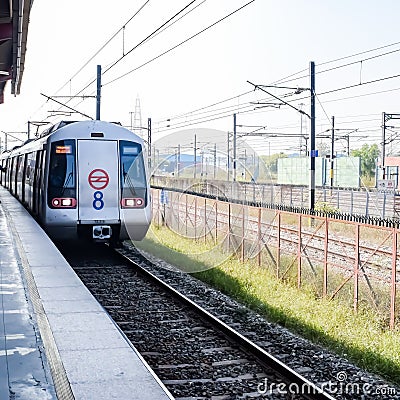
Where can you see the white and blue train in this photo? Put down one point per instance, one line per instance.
(85, 179)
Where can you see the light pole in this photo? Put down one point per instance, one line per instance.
(312, 119)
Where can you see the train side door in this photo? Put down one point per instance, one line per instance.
(98, 187)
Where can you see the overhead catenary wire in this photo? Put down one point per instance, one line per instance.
(360, 53)
(145, 41)
(359, 61)
(185, 114)
(108, 41)
(205, 107)
(160, 29)
(320, 94)
(113, 64)
(188, 114)
(105, 44)
(360, 84)
(281, 81)
(179, 44)
(149, 36)
(214, 117)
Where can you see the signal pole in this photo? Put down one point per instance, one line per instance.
(312, 119)
(312, 137)
(98, 96)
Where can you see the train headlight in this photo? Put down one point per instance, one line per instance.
(64, 202)
(130, 202)
(136, 202)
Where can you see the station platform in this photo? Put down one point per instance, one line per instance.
(56, 341)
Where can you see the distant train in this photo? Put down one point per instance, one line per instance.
(84, 179)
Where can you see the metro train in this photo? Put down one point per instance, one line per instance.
(85, 179)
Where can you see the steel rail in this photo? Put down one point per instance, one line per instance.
(314, 392)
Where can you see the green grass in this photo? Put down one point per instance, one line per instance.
(358, 337)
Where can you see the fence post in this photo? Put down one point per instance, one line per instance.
(351, 201)
(195, 218)
(356, 265)
(259, 236)
(326, 241)
(205, 219)
(229, 227)
(243, 234)
(299, 253)
(337, 199)
(393, 281)
(384, 205)
(158, 206)
(186, 209)
(278, 245)
(216, 221)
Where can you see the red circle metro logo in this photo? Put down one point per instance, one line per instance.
(98, 179)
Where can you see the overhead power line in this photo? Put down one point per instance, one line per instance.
(193, 112)
(360, 61)
(104, 45)
(149, 36)
(139, 44)
(180, 44)
(360, 53)
(360, 84)
(281, 81)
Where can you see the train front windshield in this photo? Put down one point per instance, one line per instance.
(62, 172)
(133, 176)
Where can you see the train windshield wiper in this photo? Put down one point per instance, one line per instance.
(66, 183)
(129, 183)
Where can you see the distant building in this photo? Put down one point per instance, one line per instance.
(392, 165)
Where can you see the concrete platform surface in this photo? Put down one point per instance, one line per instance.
(56, 341)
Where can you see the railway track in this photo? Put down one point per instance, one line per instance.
(195, 354)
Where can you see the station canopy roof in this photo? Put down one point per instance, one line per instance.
(14, 20)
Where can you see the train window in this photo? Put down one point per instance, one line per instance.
(18, 178)
(30, 168)
(36, 181)
(7, 177)
(2, 171)
(133, 177)
(13, 176)
(62, 171)
(24, 163)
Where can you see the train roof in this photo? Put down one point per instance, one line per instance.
(62, 124)
(78, 130)
(91, 129)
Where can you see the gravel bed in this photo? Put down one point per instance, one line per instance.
(337, 375)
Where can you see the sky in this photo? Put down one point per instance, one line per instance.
(266, 43)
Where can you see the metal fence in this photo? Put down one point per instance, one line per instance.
(374, 203)
(346, 260)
